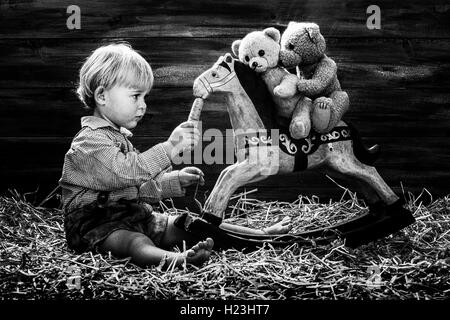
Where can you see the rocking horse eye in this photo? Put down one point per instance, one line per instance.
(261, 53)
(214, 74)
(247, 58)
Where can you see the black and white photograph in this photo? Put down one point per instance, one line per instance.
(224, 158)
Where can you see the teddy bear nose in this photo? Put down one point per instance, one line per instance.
(254, 64)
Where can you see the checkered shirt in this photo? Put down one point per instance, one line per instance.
(101, 158)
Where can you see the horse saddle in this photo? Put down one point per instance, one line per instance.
(299, 148)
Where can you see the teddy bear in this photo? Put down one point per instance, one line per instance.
(303, 47)
(260, 51)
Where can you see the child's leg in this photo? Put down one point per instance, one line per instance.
(174, 236)
(143, 252)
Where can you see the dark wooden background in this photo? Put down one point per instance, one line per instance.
(397, 78)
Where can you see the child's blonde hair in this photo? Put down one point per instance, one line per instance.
(110, 65)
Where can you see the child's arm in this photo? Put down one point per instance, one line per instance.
(165, 185)
(106, 167)
(170, 184)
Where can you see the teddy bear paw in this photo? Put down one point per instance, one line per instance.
(321, 114)
(299, 129)
(283, 92)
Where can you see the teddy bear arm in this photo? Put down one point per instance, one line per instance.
(287, 87)
(289, 84)
(323, 76)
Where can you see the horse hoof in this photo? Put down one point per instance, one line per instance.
(391, 218)
(400, 213)
(211, 218)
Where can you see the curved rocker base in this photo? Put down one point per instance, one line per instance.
(380, 222)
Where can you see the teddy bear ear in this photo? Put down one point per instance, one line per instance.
(313, 32)
(235, 47)
(273, 33)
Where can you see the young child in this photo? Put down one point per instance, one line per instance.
(107, 184)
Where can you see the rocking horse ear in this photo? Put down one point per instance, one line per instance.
(235, 47)
(273, 33)
(228, 58)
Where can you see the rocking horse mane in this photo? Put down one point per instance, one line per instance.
(258, 93)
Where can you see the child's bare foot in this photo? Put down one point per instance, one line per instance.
(280, 227)
(200, 253)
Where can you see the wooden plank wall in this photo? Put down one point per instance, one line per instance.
(397, 78)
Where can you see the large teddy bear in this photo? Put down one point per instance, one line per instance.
(260, 50)
(303, 46)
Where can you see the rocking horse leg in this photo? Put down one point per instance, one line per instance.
(216, 187)
(348, 165)
(238, 174)
(218, 183)
(389, 219)
(370, 196)
(357, 185)
(235, 176)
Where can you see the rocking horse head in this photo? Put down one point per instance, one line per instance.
(221, 77)
(248, 97)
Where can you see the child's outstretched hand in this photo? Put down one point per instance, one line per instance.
(190, 175)
(183, 138)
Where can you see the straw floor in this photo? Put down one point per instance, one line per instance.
(412, 264)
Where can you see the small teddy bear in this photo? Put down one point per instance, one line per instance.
(260, 51)
(303, 46)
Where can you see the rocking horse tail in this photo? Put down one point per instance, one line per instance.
(366, 155)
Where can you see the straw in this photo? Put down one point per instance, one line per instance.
(35, 262)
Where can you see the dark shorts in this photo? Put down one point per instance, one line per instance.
(88, 226)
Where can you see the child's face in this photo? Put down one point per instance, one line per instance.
(124, 106)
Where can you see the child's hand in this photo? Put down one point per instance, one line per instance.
(190, 175)
(183, 138)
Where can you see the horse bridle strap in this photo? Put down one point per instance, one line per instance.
(210, 86)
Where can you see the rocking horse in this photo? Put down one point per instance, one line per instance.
(260, 155)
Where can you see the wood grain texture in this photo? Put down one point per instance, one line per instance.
(378, 63)
(397, 78)
(396, 151)
(56, 112)
(210, 18)
(415, 162)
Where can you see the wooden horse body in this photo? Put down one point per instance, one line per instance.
(230, 77)
(337, 156)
